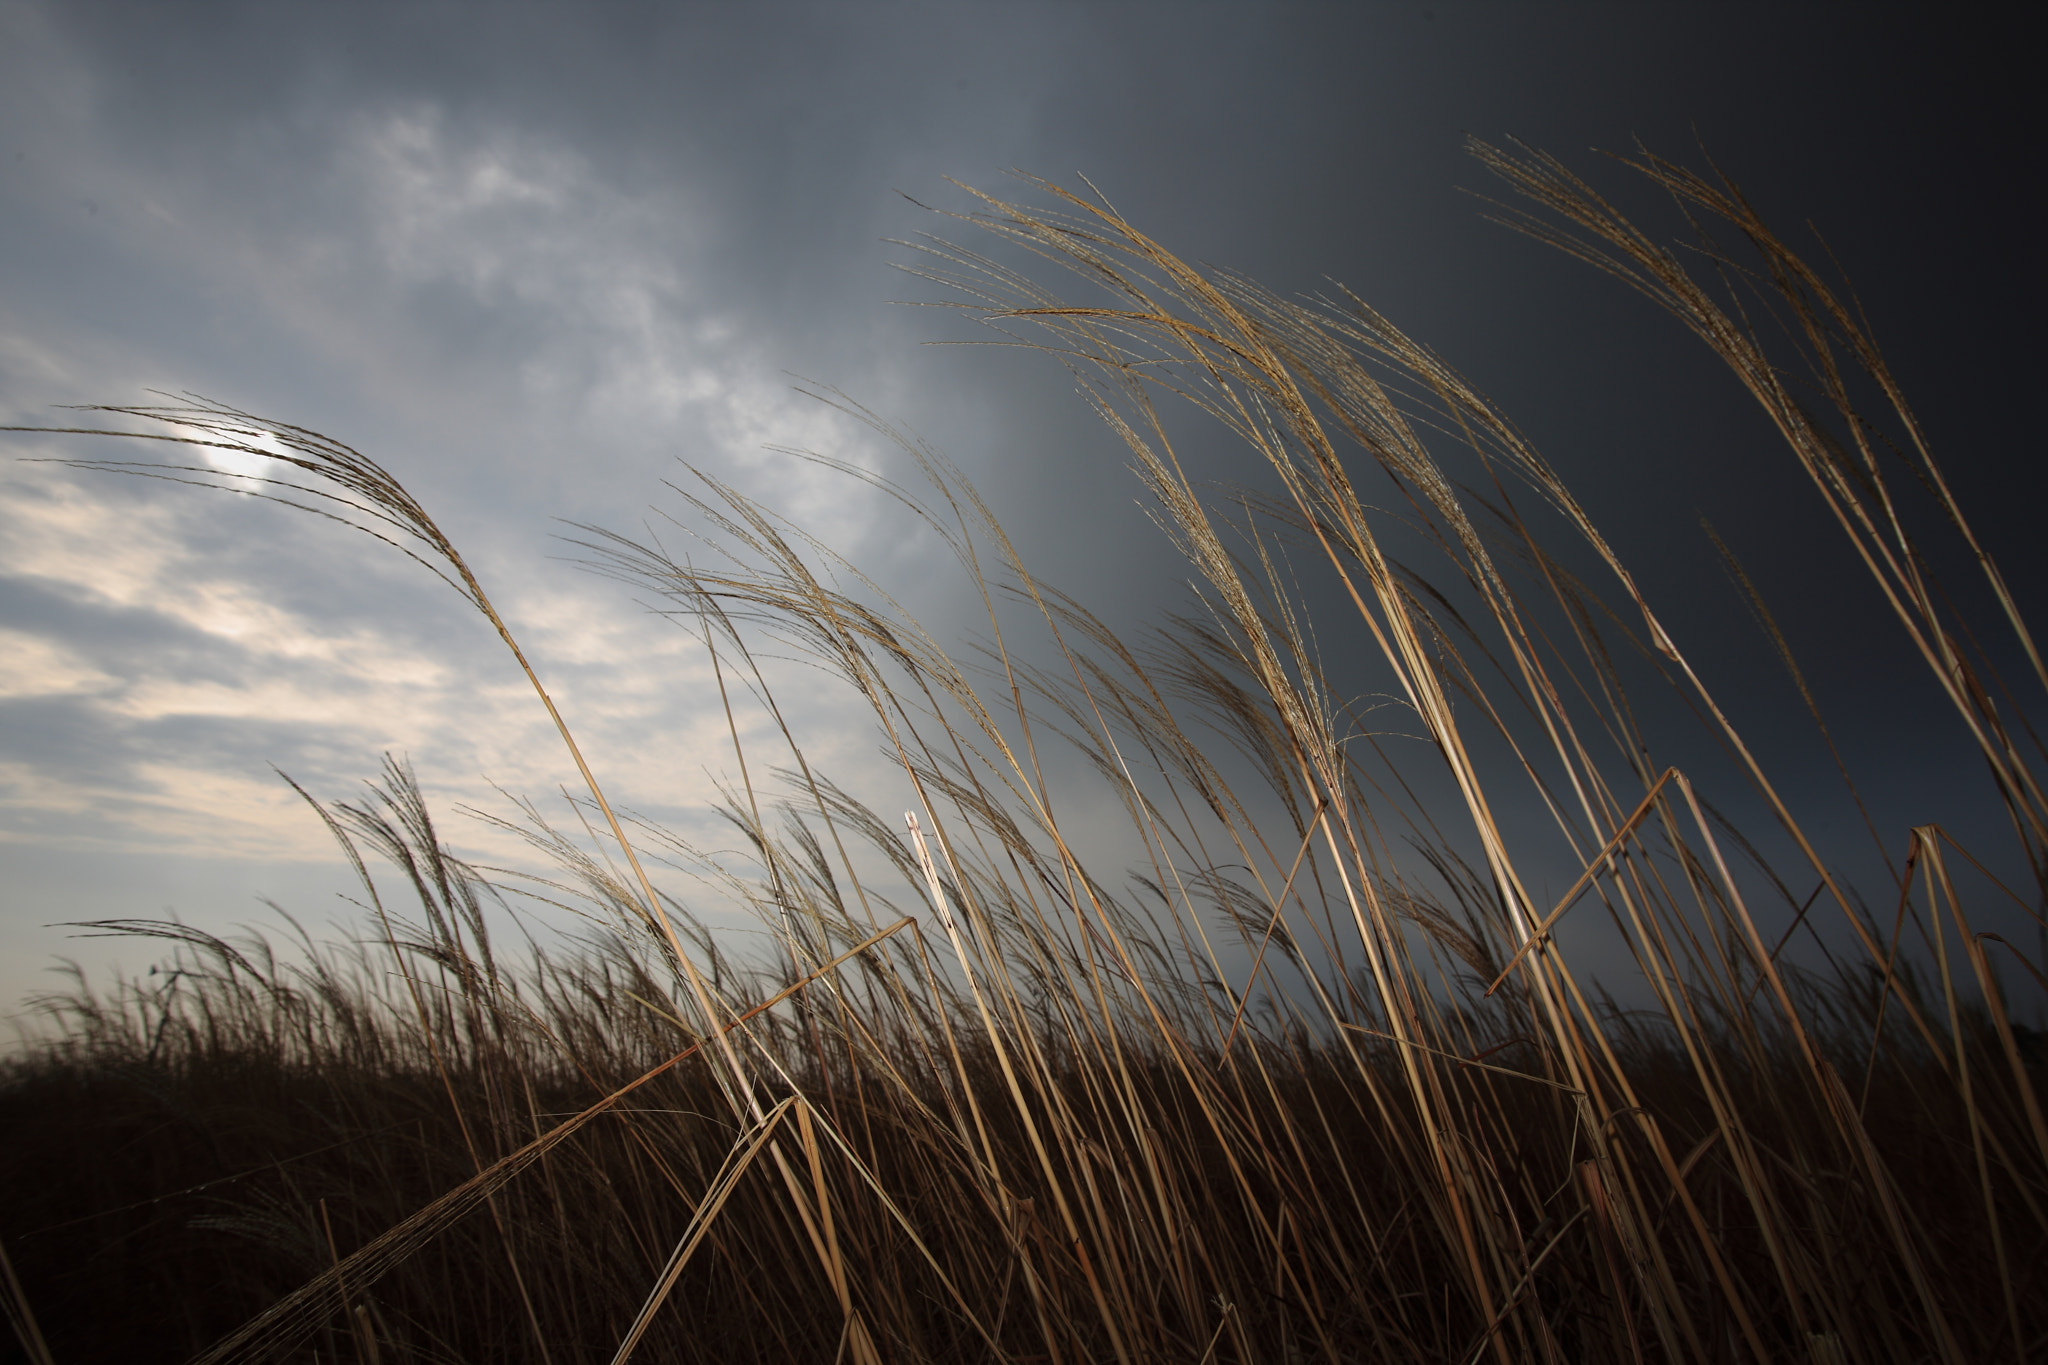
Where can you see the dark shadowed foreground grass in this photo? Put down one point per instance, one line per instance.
(1314, 1083)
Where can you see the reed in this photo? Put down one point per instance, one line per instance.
(1315, 1081)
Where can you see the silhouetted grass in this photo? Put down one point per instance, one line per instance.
(1315, 1083)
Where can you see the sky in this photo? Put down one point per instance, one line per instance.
(537, 258)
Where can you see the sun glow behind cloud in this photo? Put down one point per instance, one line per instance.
(248, 467)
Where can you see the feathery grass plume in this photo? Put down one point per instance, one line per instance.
(1313, 1081)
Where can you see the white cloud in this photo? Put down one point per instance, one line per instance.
(38, 667)
(161, 808)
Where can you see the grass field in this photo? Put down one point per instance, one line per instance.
(1305, 1077)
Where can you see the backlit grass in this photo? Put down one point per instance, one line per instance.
(1303, 1077)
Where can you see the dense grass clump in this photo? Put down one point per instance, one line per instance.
(1314, 1083)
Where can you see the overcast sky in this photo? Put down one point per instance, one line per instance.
(531, 256)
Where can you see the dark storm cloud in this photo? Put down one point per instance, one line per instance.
(529, 254)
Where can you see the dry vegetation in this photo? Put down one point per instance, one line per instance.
(1315, 1084)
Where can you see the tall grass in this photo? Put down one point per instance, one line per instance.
(1316, 1082)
